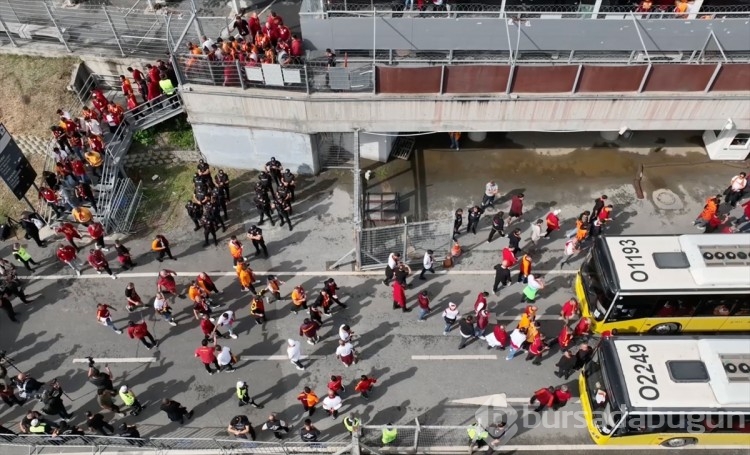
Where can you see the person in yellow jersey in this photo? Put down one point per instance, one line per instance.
(389, 434)
(82, 215)
(167, 88)
(477, 435)
(95, 161)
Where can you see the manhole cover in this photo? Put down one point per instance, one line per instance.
(666, 200)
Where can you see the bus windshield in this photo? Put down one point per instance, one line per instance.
(599, 290)
(604, 410)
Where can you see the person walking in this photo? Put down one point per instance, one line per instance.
(255, 234)
(565, 338)
(104, 316)
(70, 233)
(235, 250)
(161, 306)
(243, 395)
(67, 255)
(207, 356)
(544, 398)
(226, 320)
(498, 226)
(428, 264)
(275, 425)
(450, 315)
(524, 269)
(736, 189)
(123, 256)
(130, 400)
(206, 283)
(399, 297)
(332, 403)
(294, 353)
(455, 136)
(467, 330)
(225, 358)
(483, 320)
(365, 385)
(536, 349)
(95, 230)
(308, 432)
(160, 245)
(473, 217)
(458, 220)
(572, 248)
(423, 300)
(599, 204)
(345, 353)
(98, 262)
(391, 265)
(309, 329)
(531, 291)
(502, 276)
(499, 338)
(333, 288)
(175, 411)
(582, 328)
(536, 235)
(562, 396)
(258, 310)
(570, 310)
(97, 424)
(273, 286)
(32, 230)
(584, 355)
(140, 332)
(516, 208)
(245, 277)
(490, 191)
(566, 366)
(552, 222)
(166, 284)
(23, 256)
(517, 339)
(309, 399)
(240, 427)
(299, 299)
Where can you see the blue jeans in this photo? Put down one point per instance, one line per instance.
(422, 314)
(512, 352)
(478, 332)
(448, 326)
(111, 324)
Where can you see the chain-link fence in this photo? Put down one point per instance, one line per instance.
(410, 239)
(93, 28)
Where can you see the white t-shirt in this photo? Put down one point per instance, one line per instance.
(343, 334)
(392, 261)
(517, 338)
(428, 262)
(490, 189)
(159, 304)
(293, 351)
(536, 231)
(94, 127)
(224, 321)
(450, 314)
(332, 403)
(738, 183)
(570, 247)
(225, 356)
(532, 281)
(344, 350)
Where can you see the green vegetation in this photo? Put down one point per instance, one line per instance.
(145, 137)
(165, 196)
(174, 134)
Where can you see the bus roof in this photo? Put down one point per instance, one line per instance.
(671, 262)
(685, 372)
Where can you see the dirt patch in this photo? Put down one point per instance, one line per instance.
(31, 90)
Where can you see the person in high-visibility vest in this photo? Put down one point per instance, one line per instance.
(129, 399)
(167, 88)
(389, 434)
(23, 256)
(477, 435)
(351, 423)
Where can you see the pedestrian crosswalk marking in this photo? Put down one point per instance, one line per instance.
(118, 360)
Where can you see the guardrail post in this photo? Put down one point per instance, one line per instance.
(406, 240)
(239, 73)
(54, 22)
(415, 446)
(114, 32)
(307, 80)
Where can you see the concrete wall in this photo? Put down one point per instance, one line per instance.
(719, 146)
(301, 113)
(375, 147)
(489, 33)
(251, 148)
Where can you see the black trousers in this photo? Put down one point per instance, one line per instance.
(494, 231)
(388, 274)
(267, 212)
(26, 263)
(284, 217)
(34, 234)
(165, 252)
(211, 232)
(258, 244)
(499, 280)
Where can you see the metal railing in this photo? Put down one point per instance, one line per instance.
(96, 29)
(105, 444)
(411, 239)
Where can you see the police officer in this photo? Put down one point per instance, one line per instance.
(209, 228)
(213, 208)
(217, 196)
(288, 182)
(284, 195)
(279, 205)
(266, 179)
(260, 189)
(255, 234)
(222, 182)
(273, 167)
(473, 219)
(205, 174)
(264, 207)
(194, 212)
(287, 208)
(201, 194)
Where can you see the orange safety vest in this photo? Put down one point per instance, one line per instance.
(525, 265)
(235, 250)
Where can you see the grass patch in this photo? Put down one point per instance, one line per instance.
(31, 90)
(162, 206)
(174, 134)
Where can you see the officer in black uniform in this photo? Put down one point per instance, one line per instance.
(194, 212)
(473, 219)
(278, 204)
(197, 181)
(217, 197)
(32, 232)
(201, 195)
(255, 234)
(283, 195)
(273, 167)
(260, 189)
(264, 207)
(458, 220)
(205, 174)
(266, 179)
(287, 207)
(212, 210)
(222, 182)
(288, 182)
(209, 228)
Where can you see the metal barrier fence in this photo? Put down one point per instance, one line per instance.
(411, 239)
(99, 29)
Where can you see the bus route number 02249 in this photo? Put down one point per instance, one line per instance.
(646, 377)
(630, 251)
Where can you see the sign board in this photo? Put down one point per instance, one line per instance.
(15, 169)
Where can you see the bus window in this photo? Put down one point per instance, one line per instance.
(742, 309)
(632, 307)
(671, 307)
(716, 307)
(596, 281)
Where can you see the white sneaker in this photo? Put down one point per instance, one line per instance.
(114, 277)
(99, 272)
(301, 368)
(310, 342)
(78, 273)
(234, 336)
(173, 324)
(212, 319)
(119, 332)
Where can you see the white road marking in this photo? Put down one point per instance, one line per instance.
(100, 360)
(279, 357)
(454, 357)
(593, 447)
(378, 273)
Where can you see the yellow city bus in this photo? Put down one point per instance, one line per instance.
(668, 390)
(667, 283)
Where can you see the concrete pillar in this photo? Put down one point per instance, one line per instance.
(610, 135)
(477, 136)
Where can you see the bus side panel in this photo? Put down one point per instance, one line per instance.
(736, 324)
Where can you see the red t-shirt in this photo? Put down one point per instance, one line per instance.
(207, 327)
(336, 385)
(96, 230)
(78, 167)
(48, 195)
(103, 312)
(562, 396)
(66, 253)
(545, 396)
(364, 384)
(501, 335)
(206, 354)
(297, 49)
(570, 308)
(97, 259)
(138, 331)
(424, 302)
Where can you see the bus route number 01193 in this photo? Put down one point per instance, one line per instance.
(629, 250)
(645, 371)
